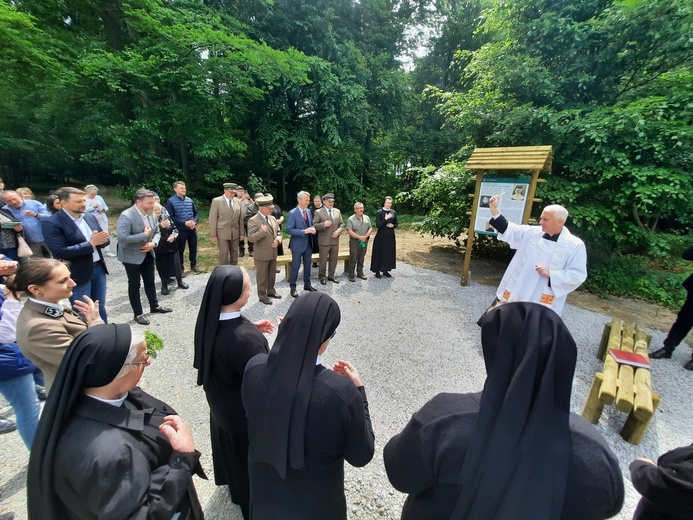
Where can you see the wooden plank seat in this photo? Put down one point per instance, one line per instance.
(627, 388)
(285, 261)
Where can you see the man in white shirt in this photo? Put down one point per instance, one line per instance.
(550, 261)
(76, 236)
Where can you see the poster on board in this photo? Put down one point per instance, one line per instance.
(513, 198)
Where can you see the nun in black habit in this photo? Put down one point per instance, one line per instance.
(104, 448)
(513, 452)
(384, 256)
(224, 343)
(304, 420)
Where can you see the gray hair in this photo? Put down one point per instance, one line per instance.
(136, 338)
(558, 211)
(357, 204)
(301, 194)
(91, 188)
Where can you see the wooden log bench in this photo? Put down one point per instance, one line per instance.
(285, 261)
(627, 388)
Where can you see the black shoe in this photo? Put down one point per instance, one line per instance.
(183, 285)
(142, 320)
(7, 426)
(275, 295)
(241, 254)
(196, 269)
(309, 288)
(266, 301)
(323, 282)
(160, 310)
(315, 264)
(361, 276)
(294, 294)
(351, 278)
(662, 353)
(333, 280)
(377, 275)
(164, 289)
(689, 365)
(41, 393)
(387, 275)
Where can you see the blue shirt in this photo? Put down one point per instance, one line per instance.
(32, 225)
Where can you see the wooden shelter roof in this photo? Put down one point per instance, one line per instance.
(511, 158)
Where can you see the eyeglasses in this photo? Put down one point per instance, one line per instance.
(144, 362)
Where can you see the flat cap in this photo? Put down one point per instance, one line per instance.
(229, 185)
(239, 187)
(264, 201)
(258, 195)
(328, 196)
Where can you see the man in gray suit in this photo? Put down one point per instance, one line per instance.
(138, 235)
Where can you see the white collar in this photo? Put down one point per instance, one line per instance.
(113, 402)
(229, 315)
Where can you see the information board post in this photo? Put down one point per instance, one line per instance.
(517, 195)
(470, 230)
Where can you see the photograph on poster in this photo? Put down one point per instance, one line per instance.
(519, 192)
(513, 195)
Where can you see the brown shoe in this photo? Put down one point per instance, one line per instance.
(333, 280)
(351, 278)
(275, 295)
(266, 301)
(294, 294)
(361, 276)
(309, 288)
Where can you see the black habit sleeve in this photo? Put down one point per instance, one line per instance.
(359, 440)
(669, 485)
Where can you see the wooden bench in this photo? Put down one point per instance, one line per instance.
(627, 388)
(285, 260)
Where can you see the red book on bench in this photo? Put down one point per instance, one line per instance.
(629, 358)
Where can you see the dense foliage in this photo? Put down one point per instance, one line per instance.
(284, 95)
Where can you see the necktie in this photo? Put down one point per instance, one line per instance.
(305, 217)
(329, 211)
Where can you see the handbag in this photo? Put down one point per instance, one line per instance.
(23, 249)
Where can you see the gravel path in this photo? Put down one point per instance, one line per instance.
(411, 337)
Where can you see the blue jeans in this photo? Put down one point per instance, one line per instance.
(20, 392)
(95, 289)
(296, 258)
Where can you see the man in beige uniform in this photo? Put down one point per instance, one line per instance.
(329, 225)
(226, 224)
(265, 236)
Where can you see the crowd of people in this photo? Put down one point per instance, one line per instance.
(281, 424)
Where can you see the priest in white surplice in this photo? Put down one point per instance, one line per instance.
(550, 261)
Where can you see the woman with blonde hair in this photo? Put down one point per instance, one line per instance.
(98, 207)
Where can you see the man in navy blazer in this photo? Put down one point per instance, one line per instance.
(299, 224)
(76, 236)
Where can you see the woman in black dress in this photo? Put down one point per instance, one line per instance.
(513, 452)
(384, 257)
(224, 343)
(167, 257)
(304, 420)
(104, 448)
